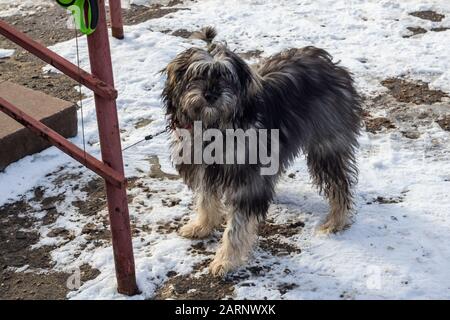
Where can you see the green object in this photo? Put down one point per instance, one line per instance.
(85, 21)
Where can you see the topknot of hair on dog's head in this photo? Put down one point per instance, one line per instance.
(206, 34)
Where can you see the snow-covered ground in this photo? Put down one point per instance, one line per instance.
(23, 7)
(5, 53)
(393, 250)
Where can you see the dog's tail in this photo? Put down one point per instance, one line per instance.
(206, 34)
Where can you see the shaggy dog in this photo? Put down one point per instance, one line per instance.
(302, 93)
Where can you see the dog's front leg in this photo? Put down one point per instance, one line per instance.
(209, 216)
(237, 242)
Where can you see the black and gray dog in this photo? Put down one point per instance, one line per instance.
(302, 93)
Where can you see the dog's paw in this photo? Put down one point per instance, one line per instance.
(333, 226)
(220, 267)
(194, 230)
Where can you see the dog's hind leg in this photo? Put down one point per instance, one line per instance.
(209, 216)
(237, 242)
(334, 172)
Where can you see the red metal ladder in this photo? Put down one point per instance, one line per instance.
(101, 82)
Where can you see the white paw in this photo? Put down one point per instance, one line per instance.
(219, 267)
(194, 230)
(332, 226)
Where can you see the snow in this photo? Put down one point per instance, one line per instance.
(23, 7)
(147, 2)
(396, 251)
(6, 53)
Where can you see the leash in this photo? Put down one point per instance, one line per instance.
(149, 137)
(85, 12)
(80, 95)
(85, 15)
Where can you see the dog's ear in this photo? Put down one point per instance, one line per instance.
(175, 72)
(176, 69)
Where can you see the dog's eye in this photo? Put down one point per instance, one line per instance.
(215, 88)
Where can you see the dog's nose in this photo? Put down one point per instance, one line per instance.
(210, 97)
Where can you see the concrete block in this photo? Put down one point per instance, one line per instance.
(16, 141)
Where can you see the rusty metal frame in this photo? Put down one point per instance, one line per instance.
(63, 65)
(101, 82)
(61, 143)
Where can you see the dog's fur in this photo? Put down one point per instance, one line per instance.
(301, 92)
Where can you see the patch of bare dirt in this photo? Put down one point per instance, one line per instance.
(96, 196)
(136, 14)
(428, 15)
(141, 123)
(17, 236)
(407, 118)
(413, 92)
(47, 26)
(168, 227)
(386, 200)
(26, 70)
(182, 33)
(96, 232)
(411, 134)
(203, 287)
(415, 31)
(255, 270)
(61, 232)
(278, 247)
(157, 173)
(96, 199)
(95, 202)
(273, 237)
(40, 286)
(444, 123)
(269, 228)
(33, 286)
(375, 125)
(286, 287)
(200, 248)
(16, 239)
(170, 202)
(440, 29)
